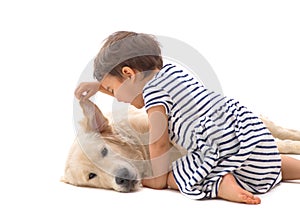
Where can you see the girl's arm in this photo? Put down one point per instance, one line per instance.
(158, 147)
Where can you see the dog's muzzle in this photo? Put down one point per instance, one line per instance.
(126, 180)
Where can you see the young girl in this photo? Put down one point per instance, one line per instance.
(231, 154)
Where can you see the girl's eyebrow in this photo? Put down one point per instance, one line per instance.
(102, 87)
(105, 90)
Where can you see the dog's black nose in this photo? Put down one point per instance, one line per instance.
(125, 179)
(122, 181)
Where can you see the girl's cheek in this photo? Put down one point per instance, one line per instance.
(123, 95)
(126, 92)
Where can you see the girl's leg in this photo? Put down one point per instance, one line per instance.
(230, 190)
(290, 168)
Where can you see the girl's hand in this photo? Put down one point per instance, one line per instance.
(85, 90)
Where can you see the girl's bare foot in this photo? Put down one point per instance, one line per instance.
(230, 190)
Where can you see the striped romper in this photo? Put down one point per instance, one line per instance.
(220, 134)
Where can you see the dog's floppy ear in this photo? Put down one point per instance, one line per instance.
(95, 119)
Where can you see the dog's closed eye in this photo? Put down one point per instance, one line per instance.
(92, 175)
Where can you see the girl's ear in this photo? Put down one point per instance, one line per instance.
(127, 72)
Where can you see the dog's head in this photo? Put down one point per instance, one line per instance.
(100, 157)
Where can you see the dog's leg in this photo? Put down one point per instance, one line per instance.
(281, 132)
(288, 146)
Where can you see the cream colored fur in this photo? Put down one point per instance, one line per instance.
(114, 155)
(125, 140)
(288, 140)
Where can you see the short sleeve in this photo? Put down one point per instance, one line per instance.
(155, 96)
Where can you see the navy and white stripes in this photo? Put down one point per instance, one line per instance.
(220, 134)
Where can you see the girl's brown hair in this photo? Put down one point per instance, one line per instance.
(123, 48)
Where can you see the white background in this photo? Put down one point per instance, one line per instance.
(253, 47)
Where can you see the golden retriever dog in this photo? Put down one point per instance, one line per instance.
(111, 155)
(114, 155)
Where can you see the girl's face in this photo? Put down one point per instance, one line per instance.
(128, 90)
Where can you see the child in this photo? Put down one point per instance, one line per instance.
(231, 154)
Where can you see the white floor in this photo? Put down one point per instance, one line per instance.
(47, 194)
(284, 197)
